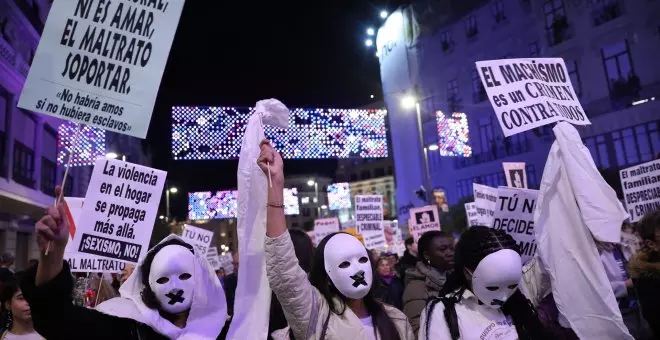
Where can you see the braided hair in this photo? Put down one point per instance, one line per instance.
(475, 244)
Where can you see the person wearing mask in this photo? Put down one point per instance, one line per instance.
(424, 281)
(481, 299)
(337, 301)
(16, 316)
(390, 285)
(644, 268)
(6, 262)
(278, 328)
(172, 294)
(409, 258)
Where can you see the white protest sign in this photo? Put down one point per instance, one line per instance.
(394, 238)
(369, 220)
(100, 62)
(641, 188)
(212, 258)
(198, 237)
(516, 176)
(528, 93)
(485, 199)
(422, 220)
(471, 214)
(227, 262)
(120, 208)
(514, 214)
(324, 227)
(80, 262)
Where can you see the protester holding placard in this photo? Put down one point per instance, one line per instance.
(337, 300)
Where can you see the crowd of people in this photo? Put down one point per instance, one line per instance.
(474, 287)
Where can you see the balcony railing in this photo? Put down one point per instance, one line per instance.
(3, 156)
(48, 176)
(494, 154)
(626, 95)
(607, 12)
(23, 165)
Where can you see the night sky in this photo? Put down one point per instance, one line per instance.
(306, 54)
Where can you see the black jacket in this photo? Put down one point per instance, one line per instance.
(56, 317)
(406, 262)
(391, 294)
(644, 269)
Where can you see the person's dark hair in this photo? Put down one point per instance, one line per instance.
(475, 244)
(9, 288)
(148, 295)
(384, 328)
(648, 225)
(424, 242)
(410, 241)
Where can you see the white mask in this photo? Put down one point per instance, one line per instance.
(172, 278)
(348, 266)
(496, 277)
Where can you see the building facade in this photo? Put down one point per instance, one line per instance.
(312, 200)
(29, 141)
(610, 48)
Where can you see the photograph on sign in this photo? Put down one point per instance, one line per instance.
(81, 262)
(529, 93)
(485, 199)
(641, 189)
(471, 214)
(516, 176)
(324, 227)
(514, 214)
(101, 62)
(422, 220)
(120, 209)
(198, 237)
(369, 220)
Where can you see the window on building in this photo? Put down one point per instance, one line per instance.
(23, 165)
(652, 129)
(556, 23)
(532, 181)
(486, 135)
(366, 174)
(497, 7)
(48, 174)
(446, 41)
(478, 91)
(452, 89)
(69, 185)
(390, 171)
(573, 72)
(471, 28)
(534, 49)
(501, 180)
(306, 212)
(618, 66)
(603, 11)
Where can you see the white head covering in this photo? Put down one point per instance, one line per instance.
(207, 314)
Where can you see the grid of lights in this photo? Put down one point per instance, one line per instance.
(339, 196)
(291, 206)
(206, 133)
(453, 135)
(208, 205)
(89, 146)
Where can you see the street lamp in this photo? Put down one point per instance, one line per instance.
(383, 14)
(368, 42)
(172, 190)
(433, 147)
(315, 184)
(370, 31)
(115, 155)
(408, 102)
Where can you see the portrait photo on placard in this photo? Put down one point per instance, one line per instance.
(424, 217)
(517, 179)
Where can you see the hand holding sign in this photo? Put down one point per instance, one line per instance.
(53, 227)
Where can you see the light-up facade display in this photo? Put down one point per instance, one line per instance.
(207, 205)
(339, 196)
(291, 206)
(453, 135)
(85, 145)
(201, 133)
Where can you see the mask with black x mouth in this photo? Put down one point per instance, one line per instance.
(359, 279)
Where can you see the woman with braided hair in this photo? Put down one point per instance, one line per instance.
(481, 299)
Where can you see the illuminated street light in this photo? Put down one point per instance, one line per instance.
(433, 147)
(370, 31)
(311, 182)
(408, 102)
(371, 96)
(112, 155)
(174, 190)
(161, 217)
(324, 207)
(369, 42)
(383, 14)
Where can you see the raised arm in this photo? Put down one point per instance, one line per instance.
(299, 299)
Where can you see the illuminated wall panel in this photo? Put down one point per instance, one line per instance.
(88, 146)
(339, 196)
(291, 206)
(207, 205)
(200, 133)
(453, 135)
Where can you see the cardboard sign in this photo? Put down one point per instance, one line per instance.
(514, 214)
(100, 62)
(120, 208)
(369, 220)
(641, 188)
(79, 262)
(213, 259)
(471, 214)
(528, 93)
(485, 199)
(324, 227)
(198, 237)
(422, 220)
(516, 176)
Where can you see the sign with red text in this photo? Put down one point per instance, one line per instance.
(641, 188)
(369, 220)
(324, 227)
(529, 93)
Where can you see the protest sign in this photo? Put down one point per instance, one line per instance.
(422, 220)
(394, 237)
(120, 208)
(100, 62)
(198, 237)
(324, 227)
(516, 176)
(528, 93)
(80, 262)
(514, 214)
(485, 199)
(369, 220)
(471, 214)
(227, 263)
(353, 231)
(213, 259)
(641, 188)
